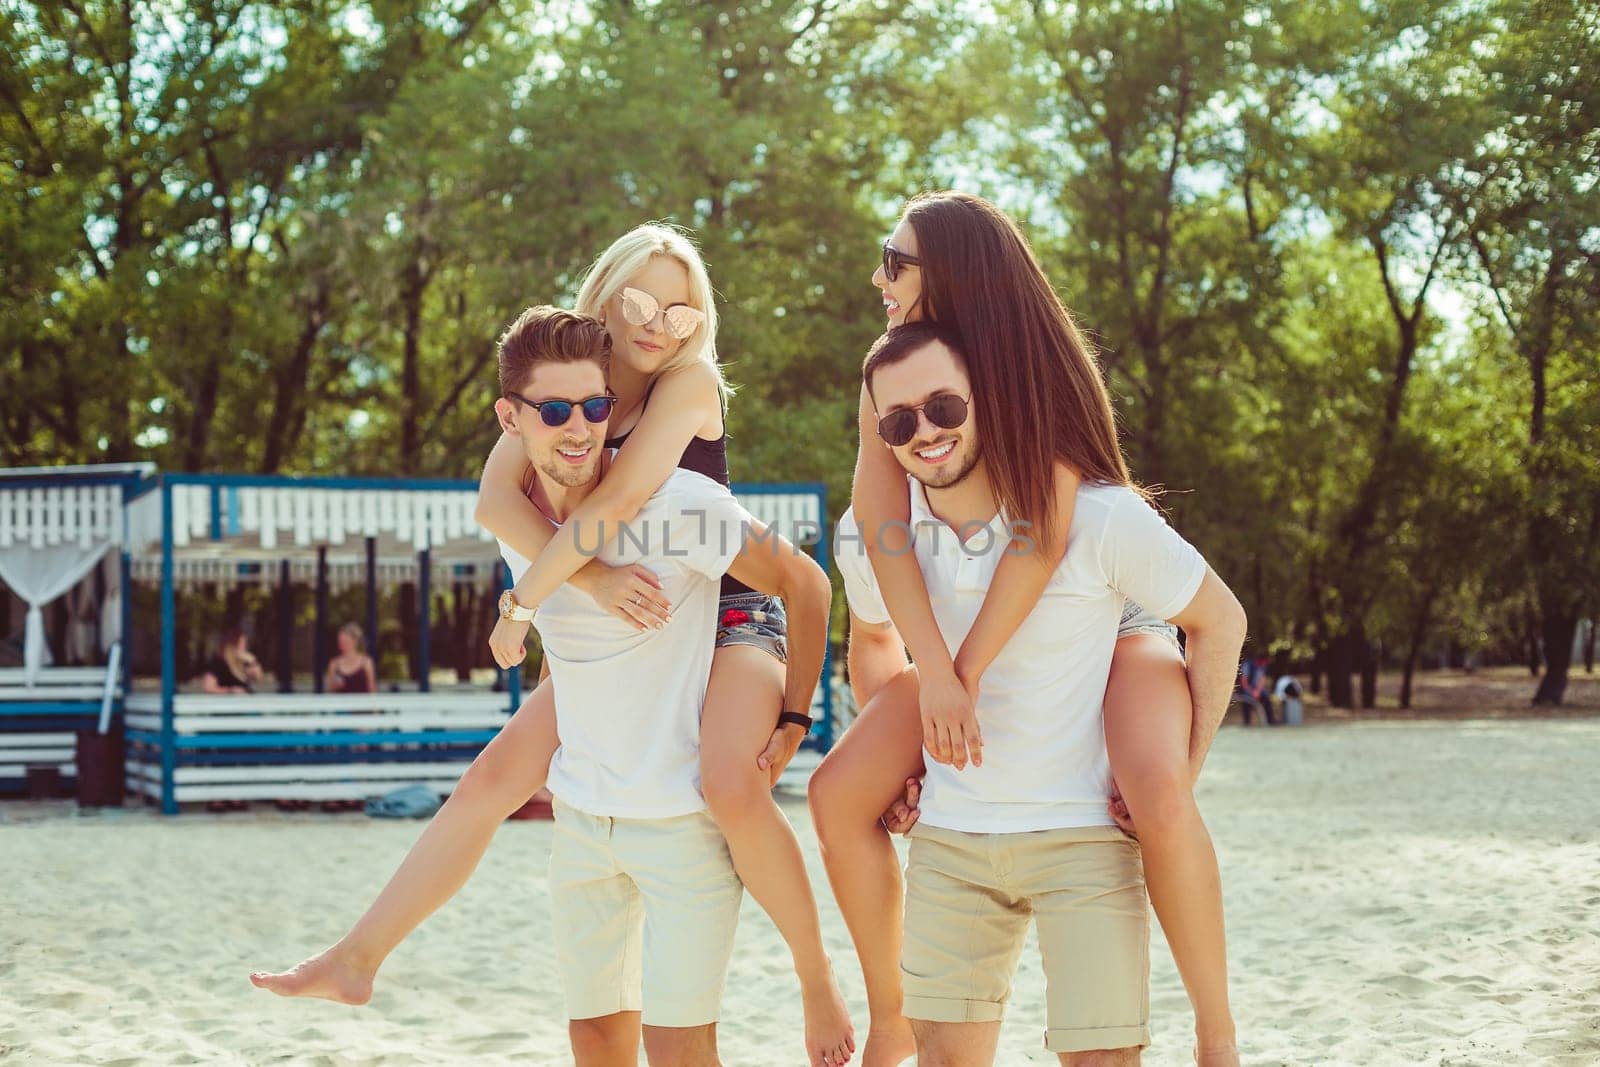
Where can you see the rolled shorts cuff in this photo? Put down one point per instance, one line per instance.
(598, 1004)
(1091, 1038)
(679, 1012)
(948, 1010)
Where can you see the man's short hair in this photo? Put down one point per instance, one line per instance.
(902, 341)
(546, 334)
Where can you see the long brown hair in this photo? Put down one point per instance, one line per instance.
(1037, 391)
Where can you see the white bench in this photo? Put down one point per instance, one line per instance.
(39, 722)
(308, 746)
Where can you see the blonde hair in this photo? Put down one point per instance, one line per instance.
(354, 632)
(627, 256)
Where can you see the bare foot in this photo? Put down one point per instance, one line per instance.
(830, 1039)
(889, 1043)
(1216, 1055)
(328, 975)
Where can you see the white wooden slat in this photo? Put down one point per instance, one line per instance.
(249, 510)
(32, 755)
(267, 522)
(439, 520)
(270, 724)
(69, 769)
(53, 675)
(8, 501)
(319, 515)
(404, 516)
(49, 737)
(180, 516)
(294, 790)
(303, 703)
(301, 504)
(451, 506)
(319, 772)
(336, 513)
(86, 693)
(388, 517)
(36, 517)
(369, 513)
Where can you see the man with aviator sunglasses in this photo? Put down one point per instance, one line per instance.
(1024, 835)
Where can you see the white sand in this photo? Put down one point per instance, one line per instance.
(1397, 893)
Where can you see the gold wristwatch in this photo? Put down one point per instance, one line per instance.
(510, 609)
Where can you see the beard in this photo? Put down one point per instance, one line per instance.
(950, 474)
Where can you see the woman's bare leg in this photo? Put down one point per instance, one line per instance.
(741, 711)
(856, 783)
(1148, 716)
(510, 769)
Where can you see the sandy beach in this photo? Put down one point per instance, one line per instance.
(1397, 892)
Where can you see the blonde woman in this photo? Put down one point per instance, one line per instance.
(651, 290)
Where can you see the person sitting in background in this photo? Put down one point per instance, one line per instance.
(234, 669)
(1253, 693)
(351, 671)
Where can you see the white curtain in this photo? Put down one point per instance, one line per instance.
(38, 576)
(111, 606)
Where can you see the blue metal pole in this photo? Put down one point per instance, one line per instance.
(514, 675)
(424, 594)
(169, 666)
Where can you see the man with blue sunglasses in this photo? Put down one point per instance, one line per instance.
(641, 880)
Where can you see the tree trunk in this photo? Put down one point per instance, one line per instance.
(1558, 627)
(1588, 647)
(1419, 632)
(1530, 636)
(1369, 672)
(1337, 658)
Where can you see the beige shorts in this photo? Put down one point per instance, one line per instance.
(968, 901)
(644, 913)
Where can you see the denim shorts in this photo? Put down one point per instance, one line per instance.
(754, 619)
(1135, 620)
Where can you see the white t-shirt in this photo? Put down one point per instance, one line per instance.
(628, 702)
(1039, 703)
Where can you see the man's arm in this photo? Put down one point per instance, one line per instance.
(1214, 626)
(875, 655)
(769, 564)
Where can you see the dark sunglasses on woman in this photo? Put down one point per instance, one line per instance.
(557, 412)
(946, 411)
(894, 259)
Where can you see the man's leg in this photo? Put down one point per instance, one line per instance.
(681, 1046)
(963, 934)
(955, 1044)
(1103, 1057)
(606, 1041)
(691, 898)
(1093, 919)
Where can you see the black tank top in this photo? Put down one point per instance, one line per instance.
(709, 458)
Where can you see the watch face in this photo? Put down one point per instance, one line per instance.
(506, 604)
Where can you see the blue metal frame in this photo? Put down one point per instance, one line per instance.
(822, 734)
(218, 748)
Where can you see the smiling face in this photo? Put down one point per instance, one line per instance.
(647, 348)
(937, 457)
(568, 454)
(902, 298)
